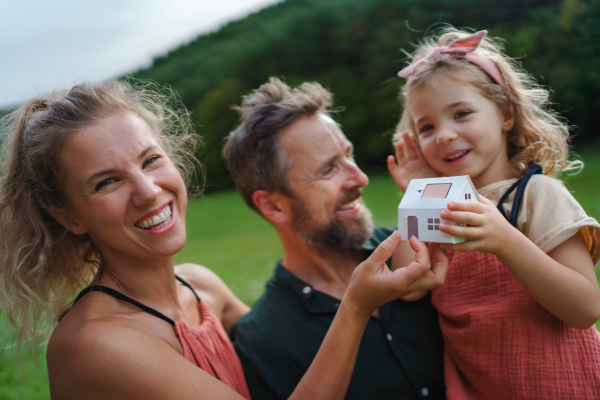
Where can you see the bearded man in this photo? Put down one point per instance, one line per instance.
(295, 167)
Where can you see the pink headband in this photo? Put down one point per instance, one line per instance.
(463, 48)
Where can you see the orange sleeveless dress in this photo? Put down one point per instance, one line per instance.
(501, 344)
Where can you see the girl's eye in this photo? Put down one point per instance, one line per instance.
(104, 184)
(425, 129)
(461, 114)
(151, 160)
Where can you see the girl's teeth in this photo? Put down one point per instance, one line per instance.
(457, 156)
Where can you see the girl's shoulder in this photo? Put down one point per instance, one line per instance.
(550, 214)
(545, 182)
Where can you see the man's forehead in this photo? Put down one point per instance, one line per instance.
(313, 133)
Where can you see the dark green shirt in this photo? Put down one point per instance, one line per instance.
(400, 356)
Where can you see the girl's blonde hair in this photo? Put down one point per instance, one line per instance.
(539, 134)
(43, 265)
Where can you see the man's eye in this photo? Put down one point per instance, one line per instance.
(328, 170)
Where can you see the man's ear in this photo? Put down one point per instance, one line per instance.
(63, 217)
(273, 207)
(508, 118)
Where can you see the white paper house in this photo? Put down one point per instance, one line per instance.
(419, 209)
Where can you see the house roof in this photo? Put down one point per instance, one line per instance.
(435, 192)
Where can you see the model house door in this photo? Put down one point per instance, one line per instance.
(413, 226)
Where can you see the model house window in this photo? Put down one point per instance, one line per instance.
(436, 191)
(433, 224)
(467, 196)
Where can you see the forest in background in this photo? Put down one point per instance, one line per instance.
(355, 49)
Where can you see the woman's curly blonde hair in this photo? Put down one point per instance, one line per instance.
(539, 134)
(43, 265)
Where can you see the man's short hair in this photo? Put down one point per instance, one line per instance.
(252, 151)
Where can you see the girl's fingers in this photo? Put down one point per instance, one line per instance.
(409, 147)
(394, 170)
(400, 154)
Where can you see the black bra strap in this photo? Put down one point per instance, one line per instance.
(121, 296)
(520, 186)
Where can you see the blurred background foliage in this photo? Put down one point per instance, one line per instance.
(354, 48)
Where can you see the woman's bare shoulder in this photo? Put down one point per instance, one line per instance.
(199, 276)
(214, 292)
(85, 350)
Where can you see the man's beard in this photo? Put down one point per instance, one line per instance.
(338, 234)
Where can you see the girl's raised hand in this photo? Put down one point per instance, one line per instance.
(482, 225)
(374, 284)
(409, 163)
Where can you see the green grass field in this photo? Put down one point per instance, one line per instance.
(225, 235)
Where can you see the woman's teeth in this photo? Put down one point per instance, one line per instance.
(157, 221)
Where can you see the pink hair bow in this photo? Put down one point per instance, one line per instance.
(463, 48)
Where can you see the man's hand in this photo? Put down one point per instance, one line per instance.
(374, 284)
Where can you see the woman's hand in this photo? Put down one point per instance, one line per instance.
(409, 163)
(374, 284)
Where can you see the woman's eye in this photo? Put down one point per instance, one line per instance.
(151, 160)
(104, 184)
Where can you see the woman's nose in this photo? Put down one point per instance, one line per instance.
(145, 190)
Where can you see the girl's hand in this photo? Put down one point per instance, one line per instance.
(374, 284)
(409, 163)
(483, 226)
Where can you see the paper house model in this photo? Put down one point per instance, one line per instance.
(419, 209)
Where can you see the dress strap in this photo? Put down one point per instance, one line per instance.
(121, 296)
(520, 186)
(189, 287)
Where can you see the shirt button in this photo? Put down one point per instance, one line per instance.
(388, 336)
(336, 305)
(306, 290)
(425, 391)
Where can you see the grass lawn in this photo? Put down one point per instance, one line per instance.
(225, 235)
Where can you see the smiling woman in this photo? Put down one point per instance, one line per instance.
(93, 199)
(34, 138)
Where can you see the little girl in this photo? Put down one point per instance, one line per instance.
(520, 300)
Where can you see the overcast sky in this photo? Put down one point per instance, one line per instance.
(53, 44)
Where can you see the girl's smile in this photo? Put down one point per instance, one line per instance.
(460, 131)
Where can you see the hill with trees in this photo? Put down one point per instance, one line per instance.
(354, 48)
